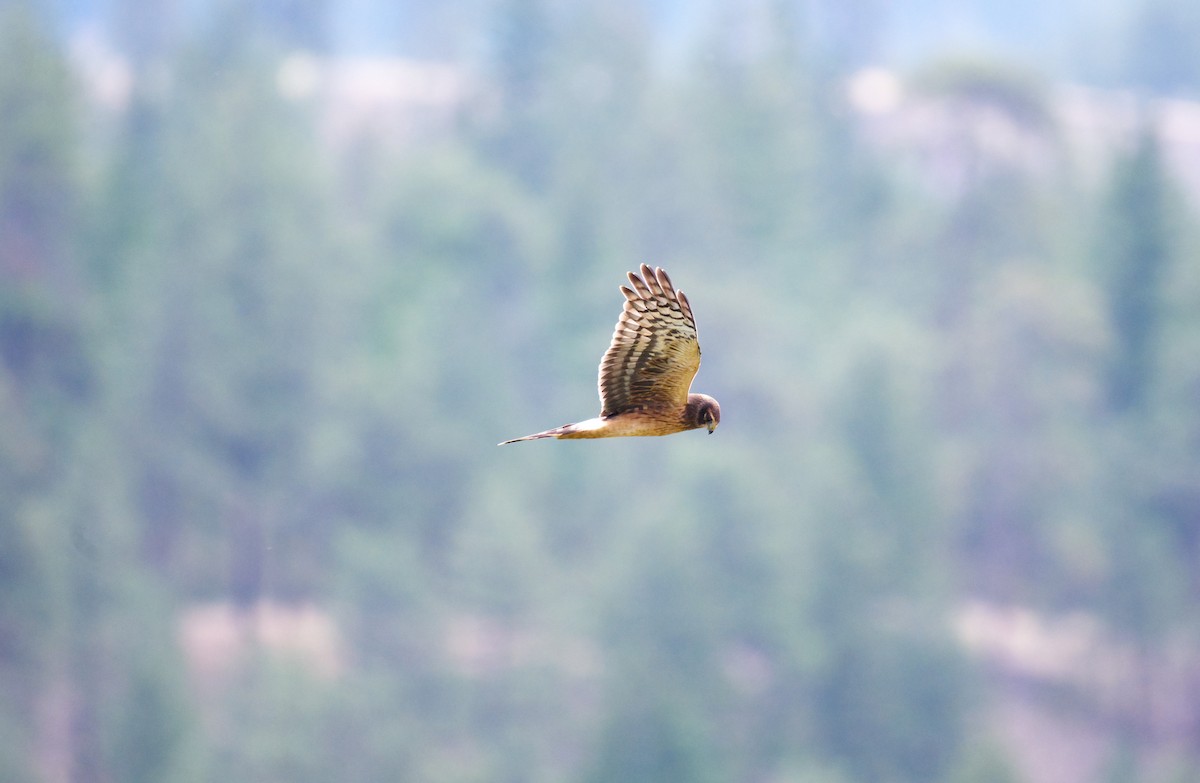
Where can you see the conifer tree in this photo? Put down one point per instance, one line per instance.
(1138, 245)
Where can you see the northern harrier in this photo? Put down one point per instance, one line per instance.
(647, 370)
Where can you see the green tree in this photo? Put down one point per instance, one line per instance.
(45, 373)
(523, 66)
(996, 198)
(38, 191)
(1137, 241)
(649, 742)
(222, 325)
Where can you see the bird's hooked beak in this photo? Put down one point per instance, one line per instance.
(712, 427)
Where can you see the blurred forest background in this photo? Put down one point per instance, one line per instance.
(277, 275)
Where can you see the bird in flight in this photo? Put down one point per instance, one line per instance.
(647, 371)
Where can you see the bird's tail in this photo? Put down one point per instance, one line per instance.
(557, 432)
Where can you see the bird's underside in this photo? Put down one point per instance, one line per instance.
(648, 368)
(619, 425)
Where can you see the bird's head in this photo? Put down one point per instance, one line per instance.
(703, 411)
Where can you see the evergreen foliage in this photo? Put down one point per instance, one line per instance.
(253, 524)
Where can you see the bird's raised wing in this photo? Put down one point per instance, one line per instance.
(654, 352)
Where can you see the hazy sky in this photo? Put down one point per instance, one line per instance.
(1061, 38)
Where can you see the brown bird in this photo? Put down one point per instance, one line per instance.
(647, 371)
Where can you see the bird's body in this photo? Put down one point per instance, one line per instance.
(643, 422)
(647, 370)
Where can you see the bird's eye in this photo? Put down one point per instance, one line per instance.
(706, 417)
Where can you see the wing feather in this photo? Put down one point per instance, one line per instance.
(654, 353)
